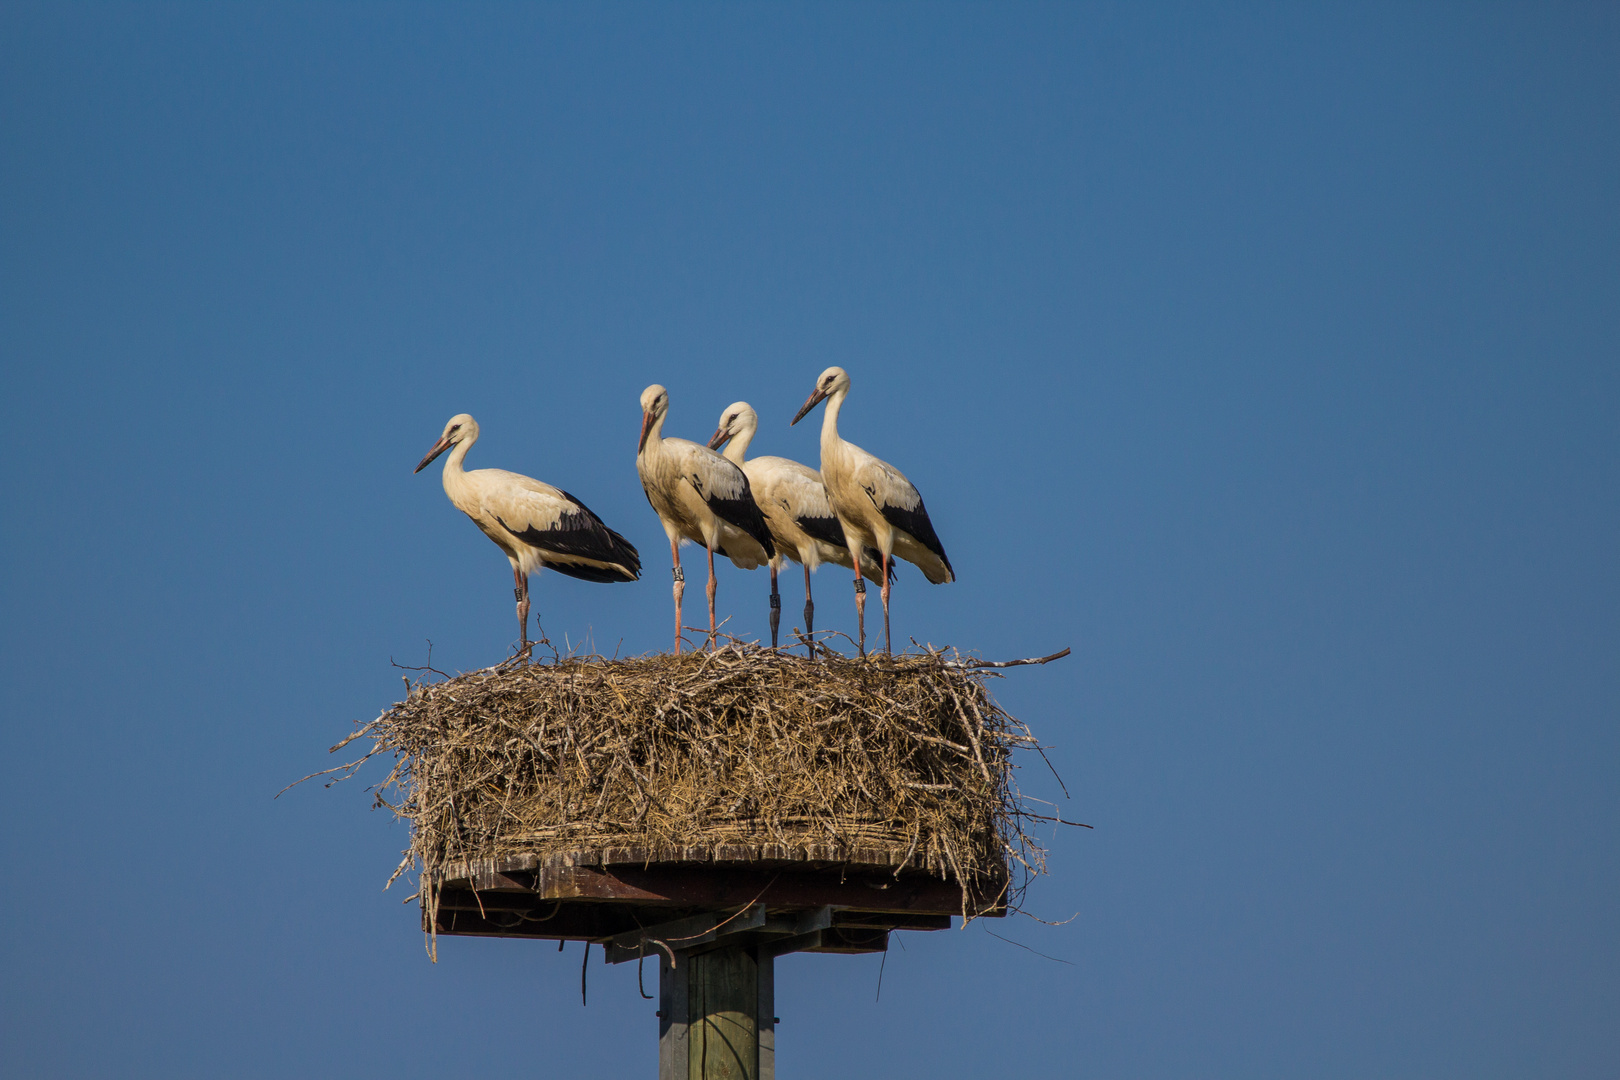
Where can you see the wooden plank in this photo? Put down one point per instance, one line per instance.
(577, 922)
(708, 888)
(830, 940)
(889, 920)
(527, 916)
(836, 940)
(594, 921)
(810, 856)
(522, 867)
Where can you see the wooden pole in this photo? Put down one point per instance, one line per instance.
(717, 1015)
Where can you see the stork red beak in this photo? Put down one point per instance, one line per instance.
(438, 448)
(815, 399)
(646, 426)
(720, 437)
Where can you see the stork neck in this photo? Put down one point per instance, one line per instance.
(736, 450)
(453, 472)
(829, 422)
(655, 436)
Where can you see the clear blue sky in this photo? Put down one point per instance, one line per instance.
(1267, 356)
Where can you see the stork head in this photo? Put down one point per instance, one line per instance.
(832, 381)
(738, 419)
(654, 404)
(461, 429)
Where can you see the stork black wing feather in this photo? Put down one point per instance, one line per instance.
(745, 514)
(741, 511)
(581, 534)
(825, 529)
(587, 573)
(915, 521)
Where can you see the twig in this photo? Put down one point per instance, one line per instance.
(1010, 663)
(1060, 821)
(1026, 948)
(641, 986)
(1043, 922)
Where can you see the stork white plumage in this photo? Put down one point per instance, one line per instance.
(535, 524)
(796, 510)
(876, 505)
(698, 496)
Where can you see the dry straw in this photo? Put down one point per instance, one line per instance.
(734, 755)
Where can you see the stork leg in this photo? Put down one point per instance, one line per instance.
(680, 590)
(713, 587)
(886, 646)
(522, 593)
(809, 615)
(776, 607)
(860, 607)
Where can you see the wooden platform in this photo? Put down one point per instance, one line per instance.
(603, 896)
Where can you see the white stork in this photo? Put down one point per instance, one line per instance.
(535, 524)
(794, 502)
(698, 496)
(876, 505)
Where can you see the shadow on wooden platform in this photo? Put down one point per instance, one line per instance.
(606, 895)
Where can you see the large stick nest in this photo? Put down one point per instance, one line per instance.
(736, 755)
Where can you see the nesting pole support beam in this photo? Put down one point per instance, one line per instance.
(717, 993)
(717, 1015)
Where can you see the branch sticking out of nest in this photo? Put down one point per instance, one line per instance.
(699, 756)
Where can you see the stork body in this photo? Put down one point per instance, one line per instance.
(875, 503)
(796, 510)
(698, 496)
(533, 523)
